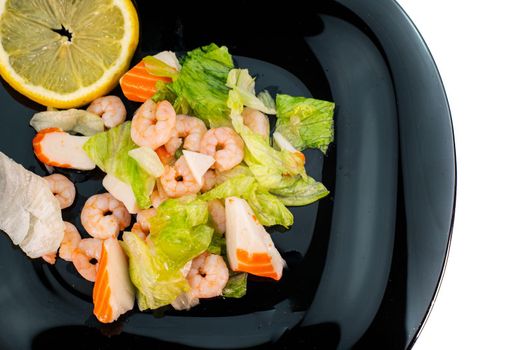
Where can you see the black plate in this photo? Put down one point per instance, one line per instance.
(364, 264)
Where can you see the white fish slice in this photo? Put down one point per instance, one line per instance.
(29, 213)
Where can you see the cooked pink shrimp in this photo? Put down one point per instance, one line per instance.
(110, 109)
(158, 195)
(137, 229)
(216, 209)
(177, 180)
(209, 180)
(153, 124)
(208, 276)
(88, 249)
(62, 188)
(173, 144)
(225, 145)
(103, 216)
(142, 226)
(191, 129)
(70, 241)
(50, 258)
(256, 121)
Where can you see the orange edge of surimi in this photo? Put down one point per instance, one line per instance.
(139, 85)
(254, 258)
(37, 148)
(259, 264)
(101, 291)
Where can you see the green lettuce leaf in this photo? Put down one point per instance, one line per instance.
(179, 229)
(268, 208)
(236, 186)
(156, 67)
(267, 100)
(217, 245)
(266, 163)
(297, 191)
(305, 122)
(70, 120)
(109, 150)
(201, 83)
(236, 287)
(158, 281)
(243, 84)
(238, 170)
(184, 212)
(165, 91)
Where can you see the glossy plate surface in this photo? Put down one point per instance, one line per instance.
(364, 263)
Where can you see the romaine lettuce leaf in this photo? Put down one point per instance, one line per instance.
(201, 83)
(264, 96)
(179, 229)
(268, 208)
(305, 122)
(266, 163)
(297, 191)
(217, 245)
(236, 186)
(243, 84)
(185, 212)
(70, 120)
(238, 170)
(165, 91)
(236, 286)
(156, 67)
(158, 281)
(109, 150)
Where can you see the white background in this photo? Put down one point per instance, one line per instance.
(480, 51)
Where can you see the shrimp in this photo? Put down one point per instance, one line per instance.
(173, 144)
(110, 109)
(217, 214)
(50, 258)
(225, 145)
(191, 129)
(142, 226)
(158, 196)
(177, 180)
(62, 188)
(103, 216)
(137, 229)
(208, 276)
(209, 180)
(70, 241)
(256, 121)
(88, 249)
(153, 124)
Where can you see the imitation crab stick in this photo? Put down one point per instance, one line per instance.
(249, 247)
(138, 85)
(113, 293)
(55, 147)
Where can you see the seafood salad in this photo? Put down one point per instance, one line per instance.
(194, 176)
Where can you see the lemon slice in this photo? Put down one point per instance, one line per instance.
(66, 53)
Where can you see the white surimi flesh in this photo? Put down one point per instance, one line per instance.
(121, 191)
(245, 233)
(64, 149)
(198, 164)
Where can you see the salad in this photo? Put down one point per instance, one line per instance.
(193, 178)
